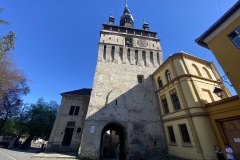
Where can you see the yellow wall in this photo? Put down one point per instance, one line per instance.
(222, 111)
(189, 86)
(227, 53)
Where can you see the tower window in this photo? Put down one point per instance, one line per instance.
(151, 57)
(136, 57)
(158, 60)
(140, 78)
(128, 55)
(112, 53)
(144, 57)
(116, 102)
(121, 54)
(104, 52)
(235, 37)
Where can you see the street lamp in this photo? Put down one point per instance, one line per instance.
(218, 92)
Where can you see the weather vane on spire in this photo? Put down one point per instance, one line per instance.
(126, 4)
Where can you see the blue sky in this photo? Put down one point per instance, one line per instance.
(57, 40)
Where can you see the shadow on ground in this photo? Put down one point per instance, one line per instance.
(27, 150)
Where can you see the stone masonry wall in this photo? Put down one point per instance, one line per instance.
(118, 97)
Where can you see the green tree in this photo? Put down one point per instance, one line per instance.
(37, 119)
(7, 41)
(12, 101)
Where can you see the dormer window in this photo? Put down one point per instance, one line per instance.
(168, 76)
(235, 37)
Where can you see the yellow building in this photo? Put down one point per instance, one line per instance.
(223, 39)
(184, 85)
(225, 118)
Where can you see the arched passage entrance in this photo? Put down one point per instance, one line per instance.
(113, 141)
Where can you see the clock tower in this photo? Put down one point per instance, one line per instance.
(123, 118)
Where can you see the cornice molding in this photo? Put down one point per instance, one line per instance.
(186, 76)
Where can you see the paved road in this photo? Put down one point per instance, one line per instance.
(22, 154)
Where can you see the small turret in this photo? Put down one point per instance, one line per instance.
(111, 20)
(145, 26)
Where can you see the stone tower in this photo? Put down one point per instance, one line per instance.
(123, 95)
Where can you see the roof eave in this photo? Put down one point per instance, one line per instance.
(217, 24)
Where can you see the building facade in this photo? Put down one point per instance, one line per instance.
(184, 85)
(67, 128)
(223, 39)
(123, 94)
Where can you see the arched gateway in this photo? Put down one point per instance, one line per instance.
(113, 141)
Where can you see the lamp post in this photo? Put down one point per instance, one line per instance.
(218, 92)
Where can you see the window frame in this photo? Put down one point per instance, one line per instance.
(158, 80)
(74, 111)
(165, 106)
(176, 102)
(233, 37)
(185, 134)
(172, 138)
(142, 77)
(168, 76)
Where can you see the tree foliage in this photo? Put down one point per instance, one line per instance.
(37, 119)
(7, 41)
(13, 85)
(13, 82)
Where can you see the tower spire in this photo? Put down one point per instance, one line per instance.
(126, 19)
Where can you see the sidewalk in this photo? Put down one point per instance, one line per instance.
(68, 155)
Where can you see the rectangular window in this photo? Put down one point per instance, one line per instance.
(140, 78)
(235, 37)
(165, 106)
(71, 124)
(78, 130)
(71, 110)
(171, 134)
(176, 103)
(74, 110)
(185, 135)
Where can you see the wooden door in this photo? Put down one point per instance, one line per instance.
(67, 137)
(231, 129)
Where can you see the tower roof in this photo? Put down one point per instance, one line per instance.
(126, 19)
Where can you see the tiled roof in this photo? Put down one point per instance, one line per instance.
(83, 91)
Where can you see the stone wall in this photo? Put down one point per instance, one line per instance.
(118, 97)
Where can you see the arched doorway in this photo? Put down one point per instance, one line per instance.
(113, 142)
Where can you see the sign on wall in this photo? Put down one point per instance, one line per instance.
(92, 129)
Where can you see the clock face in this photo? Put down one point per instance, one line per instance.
(142, 43)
